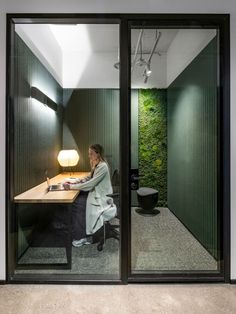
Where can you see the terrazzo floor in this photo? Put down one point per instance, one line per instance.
(116, 299)
(162, 243)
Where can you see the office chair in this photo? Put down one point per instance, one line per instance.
(110, 230)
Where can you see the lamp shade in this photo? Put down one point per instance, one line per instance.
(68, 157)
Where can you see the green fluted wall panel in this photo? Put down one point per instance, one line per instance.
(192, 147)
(92, 116)
(37, 129)
(153, 141)
(37, 132)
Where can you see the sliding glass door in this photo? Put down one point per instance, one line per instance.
(176, 205)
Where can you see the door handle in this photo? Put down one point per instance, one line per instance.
(134, 186)
(134, 177)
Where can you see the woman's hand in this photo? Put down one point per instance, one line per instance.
(71, 180)
(66, 186)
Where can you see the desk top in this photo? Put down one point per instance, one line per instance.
(40, 194)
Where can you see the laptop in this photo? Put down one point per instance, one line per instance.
(55, 187)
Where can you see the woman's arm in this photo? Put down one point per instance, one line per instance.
(77, 180)
(90, 184)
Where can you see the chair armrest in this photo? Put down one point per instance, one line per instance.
(113, 195)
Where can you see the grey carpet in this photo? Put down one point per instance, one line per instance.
(35, 255)
(85, 259)
(159, 243)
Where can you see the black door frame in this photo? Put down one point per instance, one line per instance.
(126, 21)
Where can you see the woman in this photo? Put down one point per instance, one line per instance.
(92, 207)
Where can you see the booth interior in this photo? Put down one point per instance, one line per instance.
(67, 97)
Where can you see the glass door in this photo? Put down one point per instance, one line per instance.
(175, 142)
(64, 218)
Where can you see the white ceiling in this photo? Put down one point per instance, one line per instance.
(62, 48)
(95, 38)
(83, 56)
(85, 37)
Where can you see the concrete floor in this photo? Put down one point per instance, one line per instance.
(99, 299)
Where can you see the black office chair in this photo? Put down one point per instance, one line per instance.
(110, 230)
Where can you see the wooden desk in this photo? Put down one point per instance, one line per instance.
(40, 194)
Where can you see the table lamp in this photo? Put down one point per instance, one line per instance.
(68, 158)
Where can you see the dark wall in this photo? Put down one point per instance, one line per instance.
(192, 147)
(92, 116)
(37, 129)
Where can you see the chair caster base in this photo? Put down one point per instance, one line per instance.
(100, 247)
(147, 213)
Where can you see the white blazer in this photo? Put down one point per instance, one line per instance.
(99, 207)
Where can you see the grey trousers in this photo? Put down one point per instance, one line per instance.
(78, 216)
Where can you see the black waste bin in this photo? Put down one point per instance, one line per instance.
(148, 199)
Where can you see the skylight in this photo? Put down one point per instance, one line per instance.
(72, 37)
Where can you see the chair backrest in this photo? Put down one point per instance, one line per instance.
(115, 182)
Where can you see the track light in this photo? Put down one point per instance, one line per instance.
(141, 62)
(117, 65)
(148, 70)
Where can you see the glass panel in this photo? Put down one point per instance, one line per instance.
(66, 129)
(174, 151)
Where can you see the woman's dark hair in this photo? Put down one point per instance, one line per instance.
(99, 150)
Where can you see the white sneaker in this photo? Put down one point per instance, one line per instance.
(78, 243)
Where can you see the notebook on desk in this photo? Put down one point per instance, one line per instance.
(55, 187)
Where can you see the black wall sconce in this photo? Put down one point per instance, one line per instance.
(40, 96)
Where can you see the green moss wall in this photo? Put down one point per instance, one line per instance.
(152, 132)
